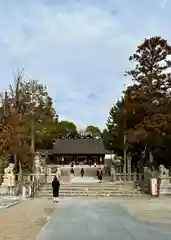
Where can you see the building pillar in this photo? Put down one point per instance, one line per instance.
(100, 160)
(62, 160)
(129, 166)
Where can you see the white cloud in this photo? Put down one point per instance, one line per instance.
(79, 51)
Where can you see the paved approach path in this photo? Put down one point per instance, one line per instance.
(99, 219)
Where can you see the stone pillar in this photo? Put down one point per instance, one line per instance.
(24, 192)
(30, 190)
(114, 174)
(120, 173)
(135, 176)
(165, 185)
(49, 176)
(37, 164)
(129, 158)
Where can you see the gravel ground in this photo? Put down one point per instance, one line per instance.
(24, 220)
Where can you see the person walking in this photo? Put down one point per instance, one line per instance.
(100, 176)
(97, 174)
(55, 187)
(82, 172)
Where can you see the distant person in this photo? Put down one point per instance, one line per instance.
(72, 170)
(82, 172)
(95, 164)
(55, 187)
(109, 172)
(100, 176)
(97, 174)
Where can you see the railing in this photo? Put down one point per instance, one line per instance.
(136, 177)
(31, 183)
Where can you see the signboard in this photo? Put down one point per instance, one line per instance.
(109, 156)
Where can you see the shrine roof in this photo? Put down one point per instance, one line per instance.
(79, 147)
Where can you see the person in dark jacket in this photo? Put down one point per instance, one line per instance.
(97, 174)
(55, 187)
(72, 171)
(82, 172)
(100, 176)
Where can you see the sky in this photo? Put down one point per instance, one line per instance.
(78, 48)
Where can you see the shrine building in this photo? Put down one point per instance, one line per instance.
(78, 151)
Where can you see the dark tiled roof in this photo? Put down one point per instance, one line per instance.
(108, 151)
(79, 146)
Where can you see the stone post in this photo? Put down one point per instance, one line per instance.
(135, 176)
(30, 190)
(165, 185)
(114, 174)
(120, 173)
(24, 192)
(129, 166)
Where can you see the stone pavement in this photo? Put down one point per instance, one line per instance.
(6, 201)
(83, 180)
(99, 219)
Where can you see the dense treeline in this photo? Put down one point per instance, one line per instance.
(28, 122)
(143, 113)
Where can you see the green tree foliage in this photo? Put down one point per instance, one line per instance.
(146, 113)
(29, 120)
(67, 129)
(150, 96)
(115, 127)
(94, 131)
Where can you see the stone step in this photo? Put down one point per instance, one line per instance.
(91, 191)
(91, 185)
(93, 188)
(94, 194)
(95, 181)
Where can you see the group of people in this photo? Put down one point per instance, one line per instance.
(99, 173)
(56, 182)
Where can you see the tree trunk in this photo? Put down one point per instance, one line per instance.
(1, 168)
(151, 159)
(20, 175)
(33, 136)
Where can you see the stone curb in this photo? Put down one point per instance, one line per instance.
(11, 204)
(14, 203)
(84, 196)
(46, 224)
